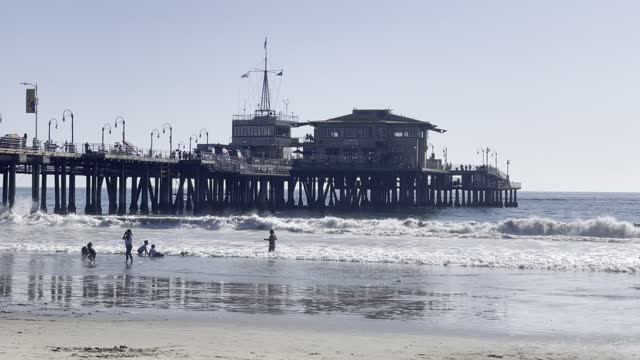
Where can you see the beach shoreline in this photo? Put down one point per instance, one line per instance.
(47, 337)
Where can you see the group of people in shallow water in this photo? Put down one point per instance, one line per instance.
(90, 253)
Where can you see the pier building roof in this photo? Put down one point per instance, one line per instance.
(375, 116)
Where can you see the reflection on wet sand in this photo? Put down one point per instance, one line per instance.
(142, 292)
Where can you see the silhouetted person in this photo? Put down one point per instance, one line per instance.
(272, 240)
(92, 253)
(142, 250)
(128, 243)
(85, 251)
(154, 253)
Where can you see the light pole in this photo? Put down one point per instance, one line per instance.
(35, 86)
(206, 132)
(485, 155)
(192, 137)
(64, 114)
(157, 132)
(104, 127)
(170, 136)
(445, 153)
(508, 162)
(495, 157)
(121, 119)
(53, 120)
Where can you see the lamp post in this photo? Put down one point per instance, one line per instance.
(495, 157)
(64, 115)
(170, 136)
(445, 153)
(206, 132)
(104, 127)
(53, 120)
(35, 86)
(121, 119)
(485, 155)
(0, 118)
(157, 132)
(196, 138)
(508, 162)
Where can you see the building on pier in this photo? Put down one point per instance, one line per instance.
(370, 138)
(265, 134)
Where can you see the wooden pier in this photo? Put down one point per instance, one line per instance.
(138, 184)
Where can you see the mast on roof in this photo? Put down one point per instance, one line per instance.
(265, 103)
(264, 108)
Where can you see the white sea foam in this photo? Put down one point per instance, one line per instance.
(597, 229)
(599, 244)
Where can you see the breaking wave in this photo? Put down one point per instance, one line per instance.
(596, 229)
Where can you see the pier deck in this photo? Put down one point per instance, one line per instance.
(148, 182)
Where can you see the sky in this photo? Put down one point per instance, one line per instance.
(551, 86)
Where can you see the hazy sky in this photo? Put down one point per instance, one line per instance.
(551, 85)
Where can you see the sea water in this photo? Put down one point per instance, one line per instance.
(562, 264)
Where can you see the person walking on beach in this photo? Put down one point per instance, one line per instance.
(272, 240)
(128, 243)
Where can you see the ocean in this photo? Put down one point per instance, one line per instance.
(562, 265)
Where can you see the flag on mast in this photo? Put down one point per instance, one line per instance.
(265, 42)
(245, 75)
(279, 73)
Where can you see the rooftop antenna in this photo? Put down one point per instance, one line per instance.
(264, 108)
(265, 103)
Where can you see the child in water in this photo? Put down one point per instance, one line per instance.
(92, 253)
(142, 250)
(154, 253)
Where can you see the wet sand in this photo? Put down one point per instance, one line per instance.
(42, 337)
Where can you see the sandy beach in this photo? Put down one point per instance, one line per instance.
(27, 337)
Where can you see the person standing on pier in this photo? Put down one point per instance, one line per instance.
(272, 240)
(128, 243)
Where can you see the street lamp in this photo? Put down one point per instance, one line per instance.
(495, 157)
(206, 132)
(35, 86)
(49, 137)
(485, 155)
(445, 153)
(121, 119)
(157, 132)
(104, 127)
(170, 136)
(64, 114)
(196, 138)
(508, 162)
(181, 143)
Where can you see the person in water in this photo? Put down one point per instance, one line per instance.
(154, 253)
(272, 240)
(128, 243)
(142, 250)
(85, 251)
(91, 252)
